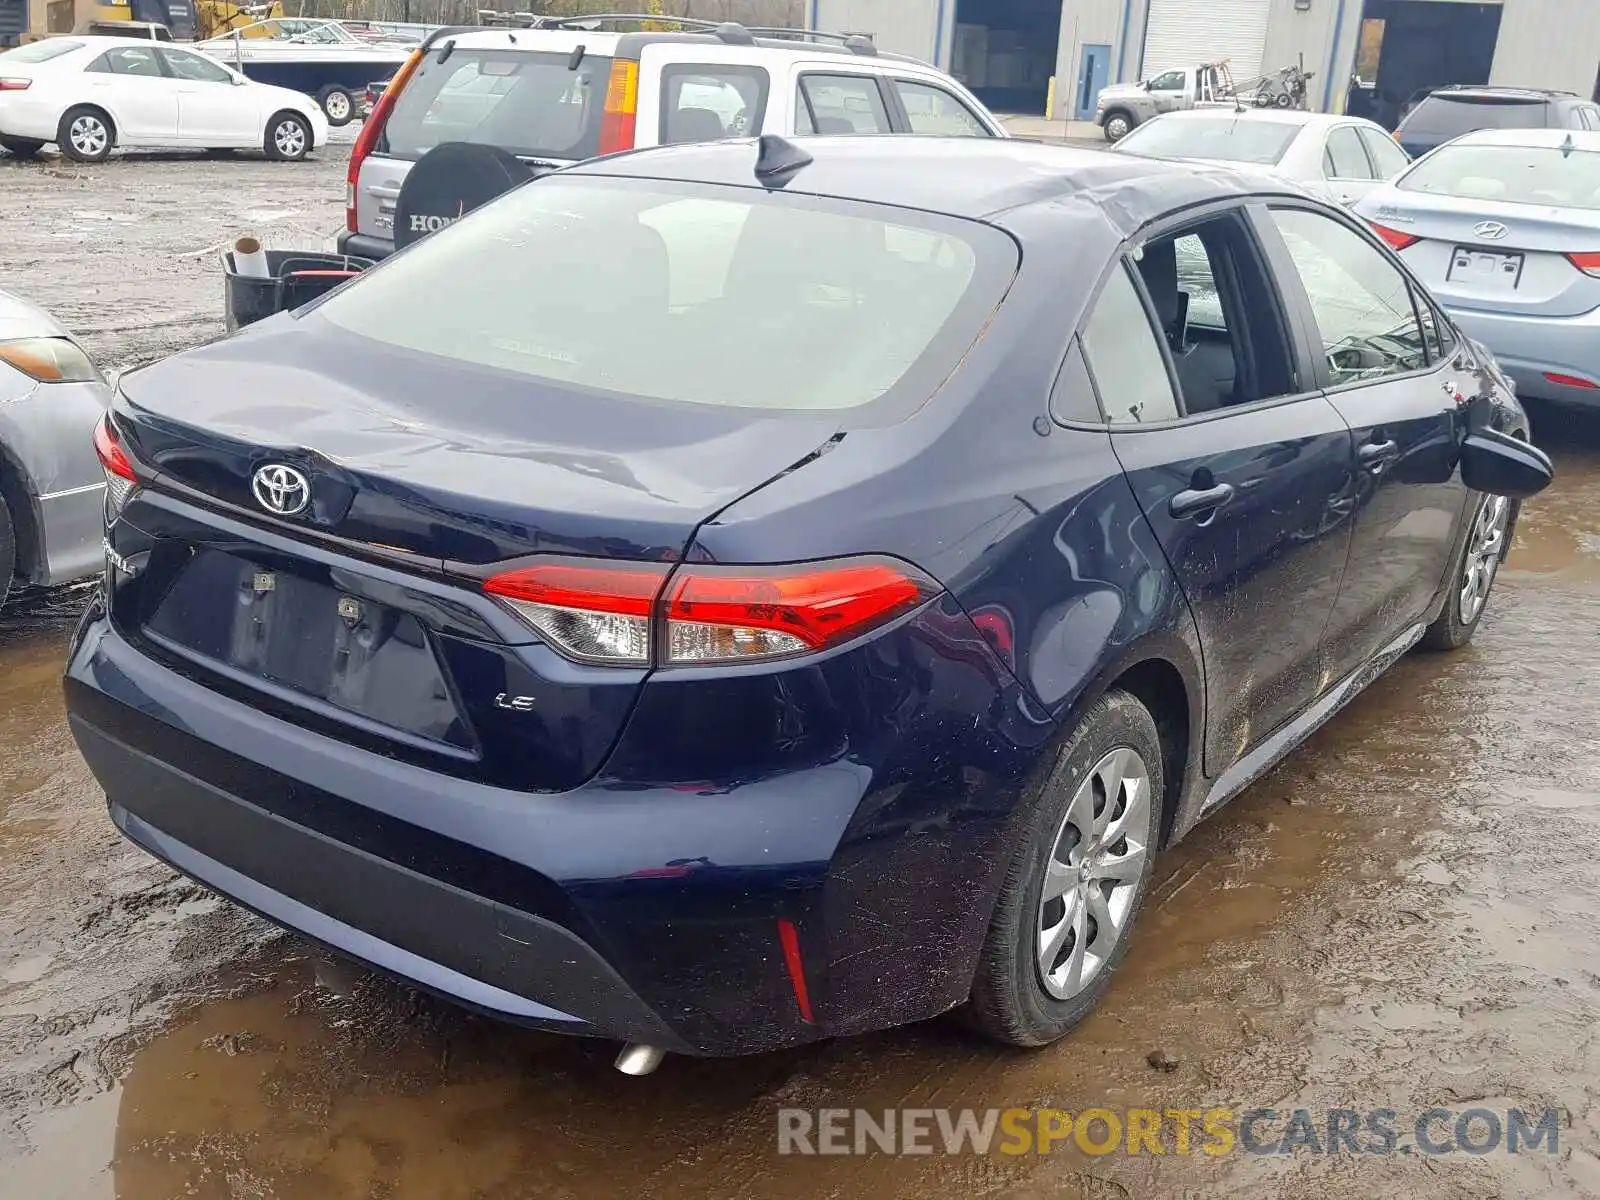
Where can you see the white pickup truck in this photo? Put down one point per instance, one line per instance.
(1123, 106)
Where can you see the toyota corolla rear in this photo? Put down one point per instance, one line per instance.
(420, 636)
(1504, 229)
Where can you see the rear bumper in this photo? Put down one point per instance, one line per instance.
(1527, 348)
(455, 944)
(364, 246)
(641, 906)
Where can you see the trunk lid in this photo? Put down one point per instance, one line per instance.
(444, 460)
(459, 469)
(1489, 254)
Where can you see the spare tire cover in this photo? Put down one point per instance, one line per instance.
(450, 181)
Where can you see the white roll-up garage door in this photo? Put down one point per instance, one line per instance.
(1186, 33)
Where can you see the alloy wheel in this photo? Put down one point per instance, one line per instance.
(89, 136)
(1484, 548)
(1096, 862)
(337, 106)
(290, 139)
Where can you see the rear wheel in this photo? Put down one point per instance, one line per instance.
(21, 147)
(288, 138)
(8, 551)
(338, 104)
(1076, 880)
(86, 134)
(1474, 577)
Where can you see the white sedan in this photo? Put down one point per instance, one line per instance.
(89, 94)
(1337, 158)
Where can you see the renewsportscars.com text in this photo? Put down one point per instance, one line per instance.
(1209, 1131)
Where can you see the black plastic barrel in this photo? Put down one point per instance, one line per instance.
(294, 277)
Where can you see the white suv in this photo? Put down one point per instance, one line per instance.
(562, 91)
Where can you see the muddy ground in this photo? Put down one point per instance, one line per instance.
(1401, 916)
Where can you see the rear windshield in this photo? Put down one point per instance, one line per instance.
(1518, 174)
(535, 105)
(38, 52)
(1448, 116)
(689, 294)
(1230, 139)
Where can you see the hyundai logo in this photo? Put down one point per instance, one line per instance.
(281, 490)
(1490, 231)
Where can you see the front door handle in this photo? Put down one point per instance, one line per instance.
(1376, 455)
(1193, 501)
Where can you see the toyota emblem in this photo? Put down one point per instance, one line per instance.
(1490, 231)
(281, 490)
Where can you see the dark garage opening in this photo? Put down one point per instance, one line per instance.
(1409, 47)
(1005, 51)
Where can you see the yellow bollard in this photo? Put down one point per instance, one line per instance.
(1050, 99)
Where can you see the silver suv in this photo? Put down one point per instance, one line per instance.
(566, 90)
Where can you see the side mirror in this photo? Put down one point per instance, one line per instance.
(240, 81)
(1146, 84)
(1500, 465)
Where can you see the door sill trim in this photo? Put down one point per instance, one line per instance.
(1280, 744)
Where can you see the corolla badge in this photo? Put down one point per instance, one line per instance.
(281, 490)
(1490, 231)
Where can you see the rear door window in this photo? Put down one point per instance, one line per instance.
(843, 104)
(935, 112)
(130, 60)
(532, 104)
(700, 103)
(1124, 353)
(1344, 158)
(1386, 156)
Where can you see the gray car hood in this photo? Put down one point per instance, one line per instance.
(19, 319)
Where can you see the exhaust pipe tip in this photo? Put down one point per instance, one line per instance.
(639, 1060)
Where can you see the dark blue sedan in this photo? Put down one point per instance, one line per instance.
(731, 595)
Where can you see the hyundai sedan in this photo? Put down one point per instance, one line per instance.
(1503, 226)
(812, 614)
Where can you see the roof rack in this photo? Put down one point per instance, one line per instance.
(730, 32)
(856, 43)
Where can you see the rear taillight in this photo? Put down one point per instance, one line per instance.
(591, 613)
(1587, 262)
(633, 615)
(1396, 238)
(114, 461)
(15, 85)
(371, 131)
(619, 124)
(1576, 381)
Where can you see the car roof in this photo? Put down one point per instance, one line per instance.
(1476, 92)
(101, 41)
(1581, 139)
(1280, 116)
(976, 178)
(629, 44)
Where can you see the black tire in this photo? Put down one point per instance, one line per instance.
(281, 143)
(21, 147)
(338, 105)
(1458, 620)
(1283, 100)
(1009, 1002)
(1117, 124)
(8, 551)
(88, 148)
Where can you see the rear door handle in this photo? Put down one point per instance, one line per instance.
(1194, 501)
(1378, 454)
